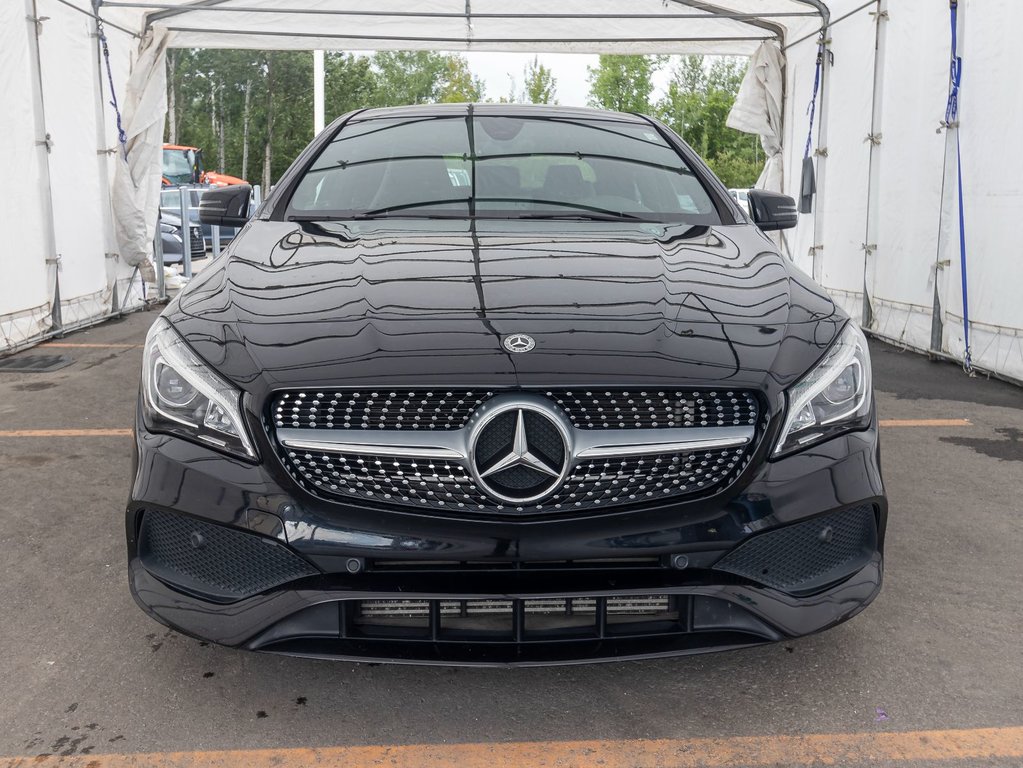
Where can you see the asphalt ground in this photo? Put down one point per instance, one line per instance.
(930, 674)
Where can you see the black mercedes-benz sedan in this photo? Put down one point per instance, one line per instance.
(492, 384)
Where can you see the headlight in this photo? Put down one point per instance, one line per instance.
(834, 397)
(165, 227)
(181, 395)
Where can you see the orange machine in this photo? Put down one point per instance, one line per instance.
(184, 165)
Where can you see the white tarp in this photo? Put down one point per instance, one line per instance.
(888, 222)
(758, 109)
(883, 237)
(583, 26)
(59, 263)
(136, 194)
(24, 288)
(991, 116)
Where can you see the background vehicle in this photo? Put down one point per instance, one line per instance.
(170, 204)
(184, 165)
(741, 196)
(170, 236)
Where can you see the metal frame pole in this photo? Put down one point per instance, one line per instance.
(186, 233)
(161, 285)
(44, 141)
(318, 89)
(871, 242)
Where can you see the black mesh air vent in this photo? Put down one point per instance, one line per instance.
(214, 560)
(802, 557)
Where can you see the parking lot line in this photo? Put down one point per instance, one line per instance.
(819, 749)
(65, 433)
(84, 345)
(925, 423)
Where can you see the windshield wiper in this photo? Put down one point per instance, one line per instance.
(400, 210)
(581, 216)
(392, 211)
(317, 218)
(578, 210)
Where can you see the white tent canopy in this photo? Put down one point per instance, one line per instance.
(580, 26)
(883, 236)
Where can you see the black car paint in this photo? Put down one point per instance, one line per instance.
(426, 303)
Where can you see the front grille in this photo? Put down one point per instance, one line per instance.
(807, 556)
(447, 485)
(650, 409)
(214, 560)
(198, 245)
(407, 611)
(449, 408)
(377, 409)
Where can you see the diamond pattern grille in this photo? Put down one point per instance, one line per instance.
(440, 484)
(591, 408)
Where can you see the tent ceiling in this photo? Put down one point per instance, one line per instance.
(582, 26)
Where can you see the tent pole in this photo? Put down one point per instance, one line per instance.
(318, 80)
(600, 44)
(822, 158)
(102, 170)
(776, 29)
(174, 9)
(870, 238)
(43, 143)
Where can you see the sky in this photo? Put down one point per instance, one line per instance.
(497, 70)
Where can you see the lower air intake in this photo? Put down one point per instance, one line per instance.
(531, 629)
(215, 561)
(807, 556)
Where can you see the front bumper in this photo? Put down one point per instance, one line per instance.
(370, 584)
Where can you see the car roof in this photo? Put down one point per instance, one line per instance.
(497, 110)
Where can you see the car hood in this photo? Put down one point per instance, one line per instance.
(428, 303)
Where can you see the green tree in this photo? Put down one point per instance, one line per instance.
(349, 83)
(288, 121)
(251, 111)
(409, 77)
(208, 91)
(623, 83)
(696, 106)
(540, 83)
(459, 84)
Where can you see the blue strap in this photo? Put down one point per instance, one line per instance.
(812, 108)
(951, 121)
(121, 135)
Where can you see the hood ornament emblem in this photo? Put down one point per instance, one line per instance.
(519, 454)
(518, 342)
(520, 449)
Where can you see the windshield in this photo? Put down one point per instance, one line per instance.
(177, 165)
(501, 167)
(171, 198)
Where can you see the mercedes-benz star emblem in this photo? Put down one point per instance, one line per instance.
(519, 342)
(519, 452)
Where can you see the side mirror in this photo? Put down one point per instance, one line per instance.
(226, 206)
(772, 211)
